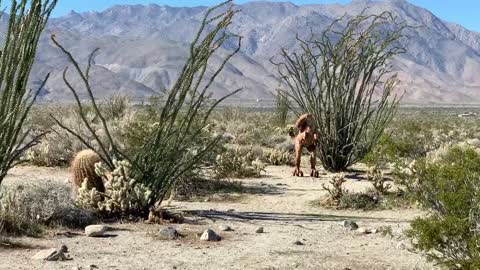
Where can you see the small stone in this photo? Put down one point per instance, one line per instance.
(231, 210)
(260, 230)
(474, 142)
(225, 228)
(401, 246)
(350, 225)
(168, 233)
(44, 254)
(374, 231)
(51, 255)
(63, 248)
(364, 231)
(92, 266)
(298, 243)
(210, 235)
(95, 230)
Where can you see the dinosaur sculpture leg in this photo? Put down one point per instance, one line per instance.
(313, 161)
(298, 159)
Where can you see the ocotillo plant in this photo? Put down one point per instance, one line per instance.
(27, 19)
(176, 145)
(281, 108)
(343, 77)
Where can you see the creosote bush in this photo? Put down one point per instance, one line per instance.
(343, 77)
(449, 188)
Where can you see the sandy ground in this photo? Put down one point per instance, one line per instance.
(282, 205)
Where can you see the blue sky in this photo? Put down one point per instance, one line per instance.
(464, 12)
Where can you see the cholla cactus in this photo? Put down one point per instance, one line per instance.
(378, 180)
(123, 195)
(278, 157)
(238, 162)
(258, 166)
(88, 198)
(336, 191)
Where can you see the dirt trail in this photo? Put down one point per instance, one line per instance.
(281, 204)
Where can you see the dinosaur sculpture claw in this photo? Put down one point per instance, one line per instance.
(298, 172)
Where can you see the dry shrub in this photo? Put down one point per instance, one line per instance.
(340, 198)
(26, 209)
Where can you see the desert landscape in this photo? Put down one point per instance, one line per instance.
(260, 135)
(298, 234)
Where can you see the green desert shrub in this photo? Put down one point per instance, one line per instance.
(358, 201)
(404, 141)
(449, 188)
(411, 136)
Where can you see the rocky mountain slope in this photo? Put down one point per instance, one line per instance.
(143, 48)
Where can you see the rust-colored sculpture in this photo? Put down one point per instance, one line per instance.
(307, 138)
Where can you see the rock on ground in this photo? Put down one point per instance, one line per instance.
(260, 230)
(168, 233)
(95, 230)
(350, 225)
(225, 228)
(364, 231)
(52, 254)
(210, 235)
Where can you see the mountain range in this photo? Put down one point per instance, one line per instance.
(143, 47)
